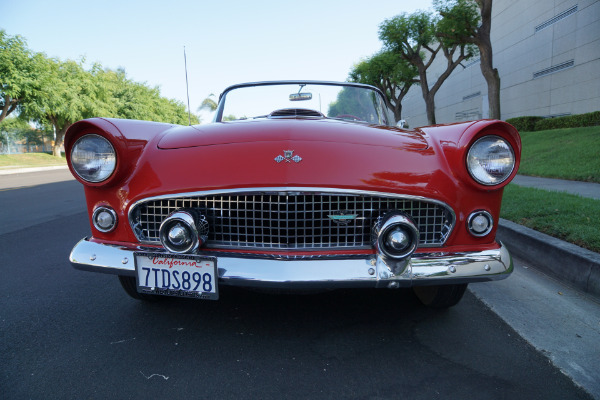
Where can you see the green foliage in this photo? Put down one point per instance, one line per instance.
(208, 103)
(406, 34)
(13, 125)
(419, 37)
(135, 100)
(67, 94)
(562, 153)
(20, 130)
(459, 22)
(571, 121)
(21, 71)
(531, 124)
(565, 216)
(58, 93)
(389, 72)
(27, 160)
(353, 101)
(524, 124)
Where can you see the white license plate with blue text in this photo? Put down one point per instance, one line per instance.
(179, 275)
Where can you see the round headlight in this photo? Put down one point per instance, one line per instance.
(490, 160)
(93, 158)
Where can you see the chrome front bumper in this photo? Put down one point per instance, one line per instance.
(332, 272)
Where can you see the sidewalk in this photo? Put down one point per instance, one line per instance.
(11, 171)
(565, 261)
(585, 189)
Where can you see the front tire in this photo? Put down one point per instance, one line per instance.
(129, 284)
(440, 297)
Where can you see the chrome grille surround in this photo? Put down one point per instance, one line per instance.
(290, 218)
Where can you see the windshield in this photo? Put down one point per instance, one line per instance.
(271, 100)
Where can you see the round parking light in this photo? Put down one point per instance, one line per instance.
(104, 219)
(480, 223)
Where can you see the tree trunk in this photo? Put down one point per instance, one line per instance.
(428, 96)
(60, 136)
(398, 113)
(492, 79)
(10, 105)
(491, 75)
(430, 107)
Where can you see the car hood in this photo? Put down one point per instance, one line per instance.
(290, 153)
(296, 130)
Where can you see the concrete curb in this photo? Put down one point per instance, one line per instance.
(565, 261)
(12, 171)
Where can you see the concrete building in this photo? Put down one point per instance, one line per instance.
(548, 56)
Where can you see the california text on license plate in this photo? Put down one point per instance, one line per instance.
(180, 275)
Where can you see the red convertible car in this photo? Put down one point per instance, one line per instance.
(295, 185)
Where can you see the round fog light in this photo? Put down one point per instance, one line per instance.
(398, 239)
(178, 233)
(480, 223)
(104, 219)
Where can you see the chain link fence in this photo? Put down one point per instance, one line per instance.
(11, 145)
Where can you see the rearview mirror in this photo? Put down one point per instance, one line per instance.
(300, 96)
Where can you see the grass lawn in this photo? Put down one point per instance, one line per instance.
(565, 216)
(30, 160)
(562, 153)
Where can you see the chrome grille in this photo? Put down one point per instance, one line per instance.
(295, 220)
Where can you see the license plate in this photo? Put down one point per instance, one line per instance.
(179, 275)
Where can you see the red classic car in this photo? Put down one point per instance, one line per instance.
(296, 185)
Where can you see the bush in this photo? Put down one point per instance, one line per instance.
(524, 124)
(571, 121)
(530, 123)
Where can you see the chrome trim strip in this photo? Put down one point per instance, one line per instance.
(368, 271)
(295, 190)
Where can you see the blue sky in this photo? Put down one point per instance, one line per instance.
(226, 42)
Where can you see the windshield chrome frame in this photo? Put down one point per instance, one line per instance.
(222, 97)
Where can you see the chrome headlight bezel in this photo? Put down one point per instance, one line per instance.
(93, 158)
(490, 160)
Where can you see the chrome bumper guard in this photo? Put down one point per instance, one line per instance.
(333, 272)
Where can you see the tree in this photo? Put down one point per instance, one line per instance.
(418, 38)
(472, 24)
(389, 72)
(67, 94)
(208, 104)
(19, 73)
(135, 100)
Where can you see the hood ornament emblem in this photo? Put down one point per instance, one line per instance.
(288, 156)
(342, 217)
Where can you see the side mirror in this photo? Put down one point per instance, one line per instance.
(402, 124)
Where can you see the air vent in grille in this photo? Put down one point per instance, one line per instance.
(294, 220)
(295, 112)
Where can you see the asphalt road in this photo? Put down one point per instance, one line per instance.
(69, 334)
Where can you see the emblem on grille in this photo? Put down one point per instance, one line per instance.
(288, 156)
(342, 217)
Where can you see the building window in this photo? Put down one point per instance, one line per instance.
(556, 18)
(471, 96)
(553, 69)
